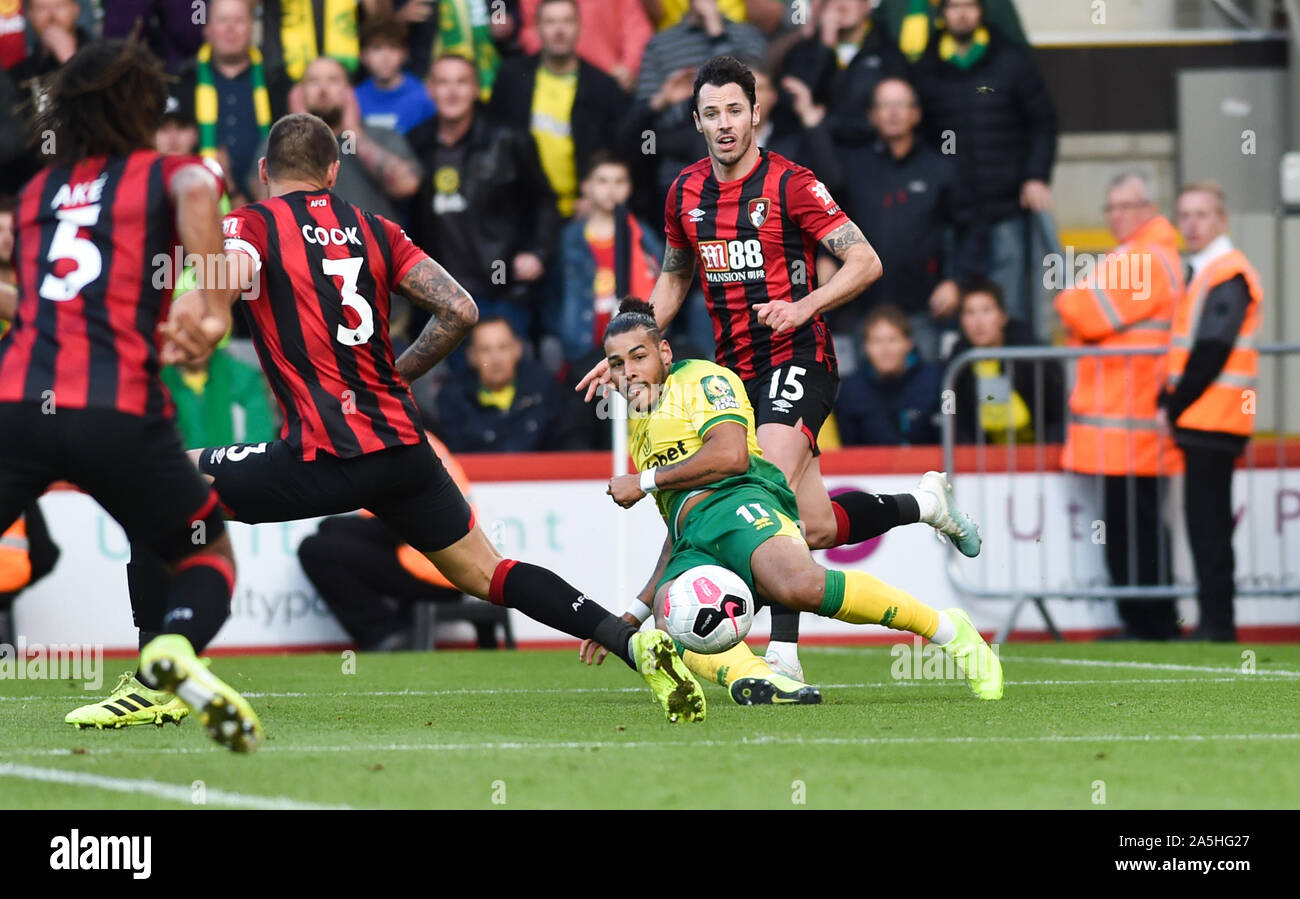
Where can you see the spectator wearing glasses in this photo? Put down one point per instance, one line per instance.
(1127, 302)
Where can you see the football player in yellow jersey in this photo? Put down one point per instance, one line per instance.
(691, 433)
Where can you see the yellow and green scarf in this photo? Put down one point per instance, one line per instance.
(298, 34)
(205, 99)
(501, 399)
(914, 36)
(463, 30)
(949, 52)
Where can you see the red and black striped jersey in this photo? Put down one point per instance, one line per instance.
(319, 320)
(93, 243)
(756, 242)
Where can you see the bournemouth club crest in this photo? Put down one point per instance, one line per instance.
(758, 210)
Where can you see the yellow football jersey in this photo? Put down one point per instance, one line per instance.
(697, 395)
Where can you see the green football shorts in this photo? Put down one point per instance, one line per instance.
(727, 527)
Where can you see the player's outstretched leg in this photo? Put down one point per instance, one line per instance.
(198, 603)
(474, 566)
(860, 516)
(785, 572)
(749, 678)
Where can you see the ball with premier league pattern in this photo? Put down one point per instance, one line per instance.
(709, 609)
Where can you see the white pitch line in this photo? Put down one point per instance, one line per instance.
(1153, 666)
(919, 682)
(157, 788)
(760, 740)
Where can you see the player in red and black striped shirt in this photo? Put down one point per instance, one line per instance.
(753, 220)
(80, 397)
(319, 320)
(320, 273)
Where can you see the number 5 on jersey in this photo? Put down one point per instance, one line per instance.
(349, 269)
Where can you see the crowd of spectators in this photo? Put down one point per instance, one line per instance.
(528, 145)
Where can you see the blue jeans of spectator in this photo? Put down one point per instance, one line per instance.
(1017, 246)
(1008, 258)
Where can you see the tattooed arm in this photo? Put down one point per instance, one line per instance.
(675, 279)
(453, 313)
(860, 268)
(725, 453)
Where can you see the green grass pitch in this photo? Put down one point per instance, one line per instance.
(1081, 726)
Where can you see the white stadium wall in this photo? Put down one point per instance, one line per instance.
(1037, 530)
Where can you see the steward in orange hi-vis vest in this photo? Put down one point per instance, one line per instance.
(1128, 302)
(1211, 399)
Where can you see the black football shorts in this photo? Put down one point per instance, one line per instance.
(798, 394)
(406, 487)
(132, 465)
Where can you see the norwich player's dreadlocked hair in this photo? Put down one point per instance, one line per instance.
(633, 312)
(108, 99)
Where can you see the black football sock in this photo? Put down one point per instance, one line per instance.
(198, 602)
(148, 581)
(785, 624)
(546, 597)
(860, 516)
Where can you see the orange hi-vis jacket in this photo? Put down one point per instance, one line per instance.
(15, 562)
(1228, 404)
(1127, 302)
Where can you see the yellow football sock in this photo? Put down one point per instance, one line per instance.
(860, 598)
(725, 667)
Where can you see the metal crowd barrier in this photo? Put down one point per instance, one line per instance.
(1040, 523)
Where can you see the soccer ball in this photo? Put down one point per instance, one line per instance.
(709, 609)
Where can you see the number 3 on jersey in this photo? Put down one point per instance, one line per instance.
(349, 269)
